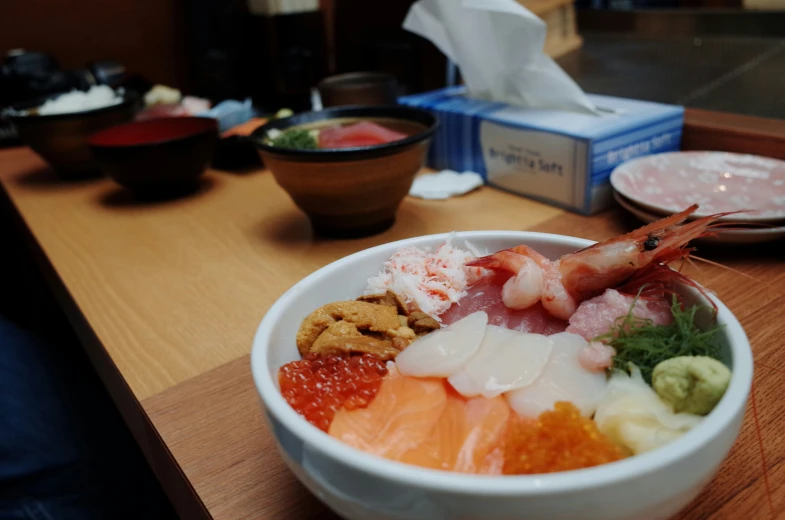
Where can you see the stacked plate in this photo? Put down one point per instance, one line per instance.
(655, 186)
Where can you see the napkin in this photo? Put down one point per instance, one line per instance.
(445, 184)
(498, 45)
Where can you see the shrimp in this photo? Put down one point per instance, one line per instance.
(525, 287)
(535, 279)
(586, 273)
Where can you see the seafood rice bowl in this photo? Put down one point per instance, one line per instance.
(499, 374)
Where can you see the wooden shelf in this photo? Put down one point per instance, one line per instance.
(559, 16)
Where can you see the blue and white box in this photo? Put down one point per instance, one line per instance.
(562, 158)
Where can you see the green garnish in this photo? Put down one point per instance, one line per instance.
(296, 138)
(641, 342)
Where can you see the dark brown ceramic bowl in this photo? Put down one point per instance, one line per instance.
(157, 154)
(359, 88)
(61, 139)
(350, 192)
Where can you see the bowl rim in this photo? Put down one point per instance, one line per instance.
(401, 112)
(205, 125)
(15, 111)
(732, 404)
(374, 79)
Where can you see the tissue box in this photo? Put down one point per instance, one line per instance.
(562, 158)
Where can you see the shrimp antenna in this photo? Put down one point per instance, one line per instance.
(728, 268)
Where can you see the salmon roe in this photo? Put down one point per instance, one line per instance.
(318, 386)
(558, 440)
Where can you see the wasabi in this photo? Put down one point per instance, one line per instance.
(691, 384)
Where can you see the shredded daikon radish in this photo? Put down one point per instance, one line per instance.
(432, 281)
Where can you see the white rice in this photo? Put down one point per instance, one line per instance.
(99, 96)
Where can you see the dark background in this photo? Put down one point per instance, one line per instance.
(702, 53)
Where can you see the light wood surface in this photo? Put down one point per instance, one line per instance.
(214, 429)
(174, 289)
(166, 297)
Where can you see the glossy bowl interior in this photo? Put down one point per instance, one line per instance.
(361, 486)
(156, 153)
(61, 139)
(350, 191)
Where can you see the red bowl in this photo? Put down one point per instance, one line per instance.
(158, 153)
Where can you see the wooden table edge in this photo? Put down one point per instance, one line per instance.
(710, 130)
(158, 456)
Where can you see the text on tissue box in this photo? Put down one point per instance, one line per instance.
(543, 165)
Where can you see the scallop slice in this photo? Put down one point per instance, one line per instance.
(444, 351)
(563, 379)
(506, 360)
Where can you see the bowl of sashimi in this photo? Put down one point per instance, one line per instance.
(502, 375)
(347, 168)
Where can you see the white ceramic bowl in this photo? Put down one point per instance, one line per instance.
(359, 486)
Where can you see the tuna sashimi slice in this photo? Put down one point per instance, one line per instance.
(364, 133)
(464, 437)
(398, 420)
(486, 295)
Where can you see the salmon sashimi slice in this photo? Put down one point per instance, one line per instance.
(493, 463)
(465, 437)
(488, 418)
(400, 417)
(441, 448)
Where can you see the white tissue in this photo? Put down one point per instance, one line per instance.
(445, 184)
(498, 45)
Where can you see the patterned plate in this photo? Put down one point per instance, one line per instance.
(717, 181)
(721, 236)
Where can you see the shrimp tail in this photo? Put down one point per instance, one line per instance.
(493, 261)
(531, 253)
(500, 259)
(505, 260)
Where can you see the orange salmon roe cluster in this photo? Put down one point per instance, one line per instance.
(318, 386)
(559, 440)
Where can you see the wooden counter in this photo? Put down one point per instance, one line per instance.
(166, 297)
